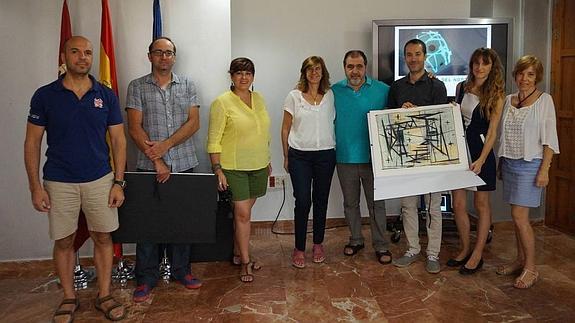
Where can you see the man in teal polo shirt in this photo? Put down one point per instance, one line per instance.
(354, 98)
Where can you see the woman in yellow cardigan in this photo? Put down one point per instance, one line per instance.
(238, 144)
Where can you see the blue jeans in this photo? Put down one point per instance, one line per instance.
(311, 173)
(149, 255)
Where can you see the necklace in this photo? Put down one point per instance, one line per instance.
(314, 97)
(520, 103)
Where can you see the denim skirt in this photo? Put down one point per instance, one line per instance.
(519, 182)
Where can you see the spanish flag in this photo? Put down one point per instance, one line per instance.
(108, 72)
(107, 57)
(82, 233)
(108, 78)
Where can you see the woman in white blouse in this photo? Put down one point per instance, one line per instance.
(528, 140)
(308, 141)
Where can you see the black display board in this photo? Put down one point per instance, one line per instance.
(182, 210)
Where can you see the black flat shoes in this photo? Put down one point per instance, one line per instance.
(458, 263)
(470, 271)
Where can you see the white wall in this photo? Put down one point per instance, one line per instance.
(30, 32)
(279, 35)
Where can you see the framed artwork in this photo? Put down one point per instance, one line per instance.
(413, 146)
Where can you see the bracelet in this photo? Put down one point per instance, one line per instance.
(215, 167)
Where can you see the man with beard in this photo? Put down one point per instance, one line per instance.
(418, 89)
(76, 112)
(163, 114)
(355, 96)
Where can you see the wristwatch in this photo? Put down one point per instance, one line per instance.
(122, 183)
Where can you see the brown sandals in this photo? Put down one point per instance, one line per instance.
(108, 309)
(70, 313)
(247, 271)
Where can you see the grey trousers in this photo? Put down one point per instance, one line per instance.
(433, 223)
(351, 178)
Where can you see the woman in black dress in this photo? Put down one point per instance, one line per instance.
(481, 98)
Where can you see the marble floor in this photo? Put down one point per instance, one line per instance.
(349, 289)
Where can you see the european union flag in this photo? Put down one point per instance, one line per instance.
(157, 28)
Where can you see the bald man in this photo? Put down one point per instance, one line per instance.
(76, 112)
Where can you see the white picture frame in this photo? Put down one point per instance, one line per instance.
(419, 150)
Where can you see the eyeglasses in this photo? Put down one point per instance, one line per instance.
(160, 53)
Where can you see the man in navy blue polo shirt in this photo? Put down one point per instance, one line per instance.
(76, 111)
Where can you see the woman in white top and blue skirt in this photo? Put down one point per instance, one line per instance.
(528, 140)
(308, 141)
(481, 98)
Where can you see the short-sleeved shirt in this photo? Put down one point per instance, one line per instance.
(425, 91)
(240, 134)
(76, 130)
(164, 111)
(312, 126)
(352, 107)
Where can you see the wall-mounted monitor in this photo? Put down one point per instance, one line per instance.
(449, 42)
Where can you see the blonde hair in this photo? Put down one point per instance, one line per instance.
(303, 84)
(493, 89)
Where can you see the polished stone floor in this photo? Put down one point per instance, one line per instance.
(344, 288)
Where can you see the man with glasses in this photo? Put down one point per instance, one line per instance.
(163, 114)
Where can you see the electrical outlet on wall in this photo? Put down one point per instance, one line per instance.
(277, 181)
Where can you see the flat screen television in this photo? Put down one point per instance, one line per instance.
(449, 42)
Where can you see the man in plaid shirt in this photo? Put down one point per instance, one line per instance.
(163, 114)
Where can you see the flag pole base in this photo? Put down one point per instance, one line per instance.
(82, 276)
(165, 268)
(123, 272)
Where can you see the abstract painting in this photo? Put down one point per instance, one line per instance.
(417, 138)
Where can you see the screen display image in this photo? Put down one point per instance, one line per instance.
(448, 49)
(449, 42)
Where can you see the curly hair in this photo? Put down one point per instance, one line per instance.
(493, 89)
(303, 84)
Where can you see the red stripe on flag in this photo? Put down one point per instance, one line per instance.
(107, 42)
(65, 34)
(108, 70)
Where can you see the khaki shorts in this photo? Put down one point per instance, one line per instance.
(66, 200)
(247, 184)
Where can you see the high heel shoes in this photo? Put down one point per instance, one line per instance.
(470, 271)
